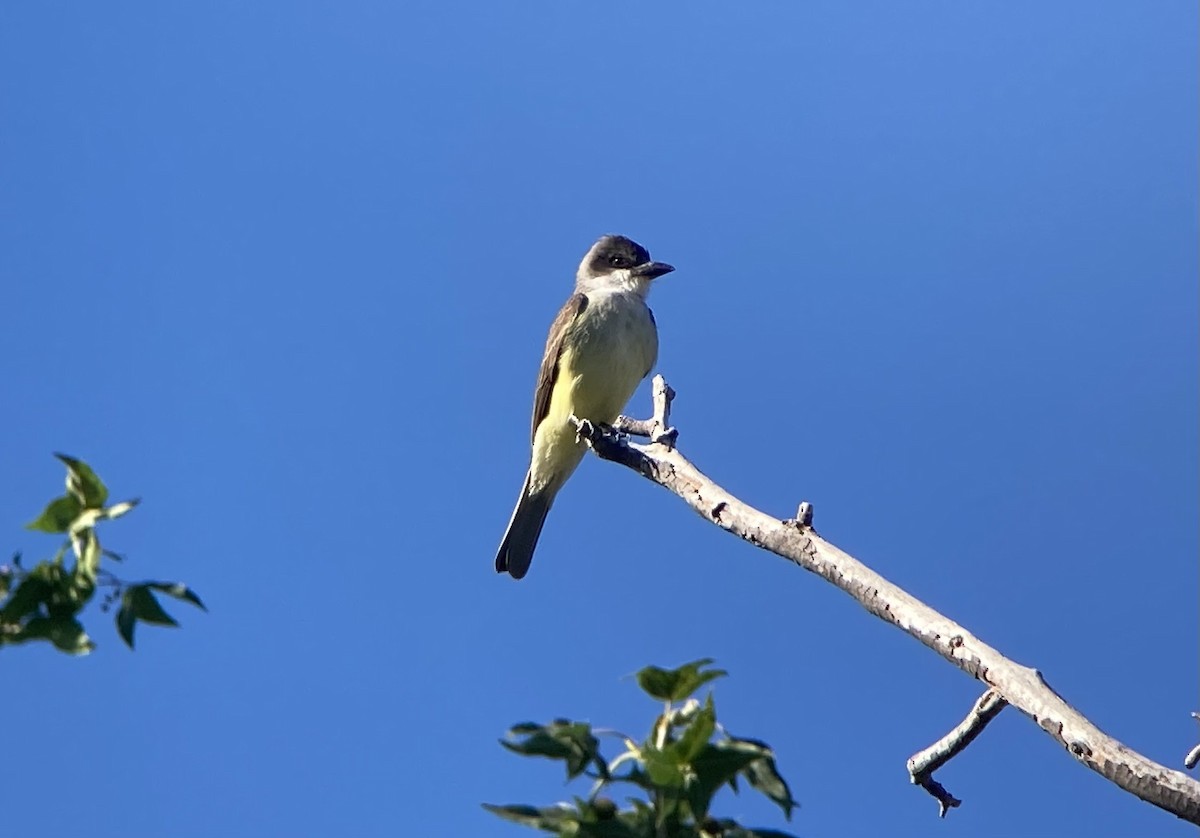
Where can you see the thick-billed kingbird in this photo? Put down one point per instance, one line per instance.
(602, 343)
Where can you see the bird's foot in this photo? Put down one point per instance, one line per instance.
(585, 429)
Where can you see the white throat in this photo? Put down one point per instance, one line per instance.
(614, 282)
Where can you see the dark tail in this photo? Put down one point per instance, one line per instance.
(516, 550)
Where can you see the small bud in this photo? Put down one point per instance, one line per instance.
(606, 810)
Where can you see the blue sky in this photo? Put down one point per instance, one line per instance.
(285, 271)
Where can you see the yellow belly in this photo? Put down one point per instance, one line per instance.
(599, 368)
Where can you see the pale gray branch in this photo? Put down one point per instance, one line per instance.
(658, 427)
(1193, 756)
(804, 514)
(1022, 687)
(922, 764)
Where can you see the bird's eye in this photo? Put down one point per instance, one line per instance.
(617, 261)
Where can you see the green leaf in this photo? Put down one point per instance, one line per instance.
(524, 815)
(731, 755)
(31, 593)
(571, 742)
(126, 622)
(677, 684)
(697, 733)
(65, 633)
(699, 796)
(624, 827)
(762, 774)
(549, 818)
(600, 819)
(643, 809)
(83, 484)
(179, 591)
(663, 768)
(637, 777)
(539, 744)
(145, 607)
(57, 516)
(716, 764)
(585, 820)
(138, 603)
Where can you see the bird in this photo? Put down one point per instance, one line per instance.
(603, 342)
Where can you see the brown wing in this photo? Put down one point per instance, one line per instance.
(548, 374)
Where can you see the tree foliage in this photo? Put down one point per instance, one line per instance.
(44, 602)
(673, 774)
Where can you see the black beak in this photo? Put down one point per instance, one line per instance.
(652, 270)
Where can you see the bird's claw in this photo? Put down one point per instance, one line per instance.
(584, 428)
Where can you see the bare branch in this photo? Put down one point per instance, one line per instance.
(946, 801)
(658, 427)
(922, 764)
(804, 514)
(1022, 687)
(1193, 756)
